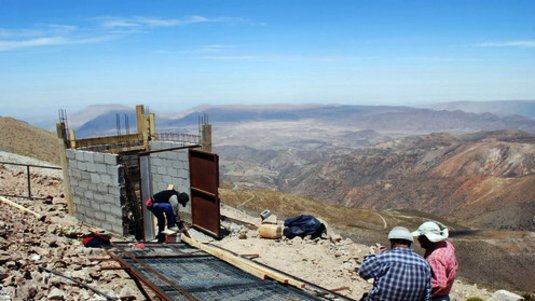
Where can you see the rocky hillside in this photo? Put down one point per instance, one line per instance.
(21, 138)
(483, 179)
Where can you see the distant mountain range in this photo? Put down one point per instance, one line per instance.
(524, 108)
(97, 120)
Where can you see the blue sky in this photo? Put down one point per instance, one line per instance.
(173, 55)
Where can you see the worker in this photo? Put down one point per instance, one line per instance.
(164, 205)
(399, 274)
(440, 254)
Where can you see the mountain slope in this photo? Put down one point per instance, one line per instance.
(21, 138)
(484, 182)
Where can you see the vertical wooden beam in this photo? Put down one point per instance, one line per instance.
(62, 143)
(206, 139)
(72, 138)
(152, 126)
(140, 118)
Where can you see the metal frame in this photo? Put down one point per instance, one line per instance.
(28, 174)
(146, 186)
(212, 277)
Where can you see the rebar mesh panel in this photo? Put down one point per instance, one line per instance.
(194, 273)
(260, 291)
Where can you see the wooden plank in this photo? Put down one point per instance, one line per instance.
(87, 142)
(244, 264)
(125, 149)
(62, 145)
(140, 112)
(22, 208)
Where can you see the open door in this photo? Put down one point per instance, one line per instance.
(204, 181)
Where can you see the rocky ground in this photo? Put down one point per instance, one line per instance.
(329, 263)
(31, 248)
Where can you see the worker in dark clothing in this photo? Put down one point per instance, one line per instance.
(164, 205)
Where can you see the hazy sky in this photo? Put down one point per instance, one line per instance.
(172, 55)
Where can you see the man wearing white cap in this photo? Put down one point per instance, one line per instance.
(399, 274)
(440, 254)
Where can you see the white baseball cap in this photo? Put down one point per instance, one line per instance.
(400, 233)
(434, 231)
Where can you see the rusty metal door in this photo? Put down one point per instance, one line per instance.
(204, 180)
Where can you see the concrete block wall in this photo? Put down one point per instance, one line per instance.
(97, 188)
(171, 167)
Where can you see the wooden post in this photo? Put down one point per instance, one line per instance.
(152, 126)
(140, 120)
(72, 138)
(62, 143)
(206, 139)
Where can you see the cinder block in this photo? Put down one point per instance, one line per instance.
(83, 184)
(110, 159)
(112, 169)
(105, 179)
(80, 210)
(106, 226)
(88, 194)
(172, 156)
(106, 208)
(102, 189)
(79, 155)
(162, 170)
(112, 199)
(98, 157)
(91, 167)
(172, 171)
(183, 156)
(95, 178)
(88, 157)
(155, 162)
(85, 176)
(93, 187)
(111, 218)
(101, 168)
(77, 190)
(90, 213)
(183, 174)
(168, 180)
(100, 215)
(114, 191)
(99, 197)
(81, 165)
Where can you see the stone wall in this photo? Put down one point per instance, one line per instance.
(97, 186)
(170, 167)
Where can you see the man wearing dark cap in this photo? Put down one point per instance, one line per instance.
(399, 273)
(164, 205)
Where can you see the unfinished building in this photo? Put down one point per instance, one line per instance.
(107, 178)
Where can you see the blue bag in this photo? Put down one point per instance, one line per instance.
(302, 226)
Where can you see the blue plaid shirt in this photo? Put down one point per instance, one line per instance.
(399, 275)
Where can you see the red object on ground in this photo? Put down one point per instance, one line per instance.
(139, 245)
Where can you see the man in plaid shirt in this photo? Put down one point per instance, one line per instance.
(399, 273)
(440, 254)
